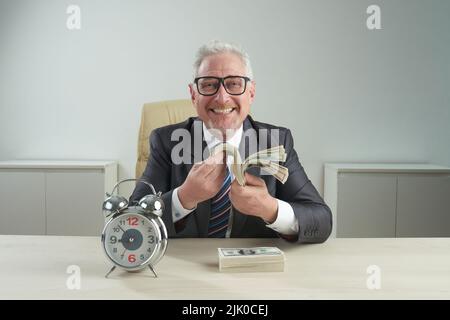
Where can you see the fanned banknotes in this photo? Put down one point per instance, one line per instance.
(258, 259)
(266, 159)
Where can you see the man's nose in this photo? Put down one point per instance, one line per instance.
(222, 95)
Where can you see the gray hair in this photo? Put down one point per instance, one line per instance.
(217, 47)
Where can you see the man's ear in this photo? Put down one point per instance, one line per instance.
(192, 93)
(252, 91)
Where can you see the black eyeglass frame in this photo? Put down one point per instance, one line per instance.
(222, 81)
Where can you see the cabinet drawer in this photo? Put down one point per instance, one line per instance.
(74, 202)
(23, 202)
(423, 206)
(366, 205)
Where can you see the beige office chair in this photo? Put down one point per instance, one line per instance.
(155, 115)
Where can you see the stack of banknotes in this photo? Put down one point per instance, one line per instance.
(266, 159)
(258, 259)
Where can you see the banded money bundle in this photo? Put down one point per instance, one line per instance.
(258, 259)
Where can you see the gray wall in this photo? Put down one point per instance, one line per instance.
(347, 93)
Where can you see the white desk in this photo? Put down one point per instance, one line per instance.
(34, 267)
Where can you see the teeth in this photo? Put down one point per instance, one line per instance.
(228, 110)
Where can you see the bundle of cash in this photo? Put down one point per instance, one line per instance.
(258, 259)
(266, 159)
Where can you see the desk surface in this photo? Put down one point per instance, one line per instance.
(35, 267)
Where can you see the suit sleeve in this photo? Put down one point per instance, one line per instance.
(158, 173)
(313, 215)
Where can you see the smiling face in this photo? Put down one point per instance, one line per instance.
(222, 111)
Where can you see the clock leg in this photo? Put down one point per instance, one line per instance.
(112, 269)
(151, 268)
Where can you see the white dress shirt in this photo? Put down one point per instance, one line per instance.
(286, 221)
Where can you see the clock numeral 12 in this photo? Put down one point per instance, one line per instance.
(132, 221)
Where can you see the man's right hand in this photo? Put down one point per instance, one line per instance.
(203, 181)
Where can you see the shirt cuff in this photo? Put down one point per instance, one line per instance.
(178, 212)
(286, 222)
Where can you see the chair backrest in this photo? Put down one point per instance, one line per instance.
(155, 115)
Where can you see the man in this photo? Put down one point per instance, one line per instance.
(202, 199)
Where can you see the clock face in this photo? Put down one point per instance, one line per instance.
(131, 240)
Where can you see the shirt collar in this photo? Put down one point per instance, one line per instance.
(212, 141)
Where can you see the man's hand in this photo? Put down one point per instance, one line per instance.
(203, 181)
(254, 199)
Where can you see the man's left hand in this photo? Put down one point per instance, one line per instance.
(254, 199)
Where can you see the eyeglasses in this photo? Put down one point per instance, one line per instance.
(234, 85)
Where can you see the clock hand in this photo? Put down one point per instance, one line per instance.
(123, 253)
(121, 229)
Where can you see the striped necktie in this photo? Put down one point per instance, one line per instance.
(220, 209)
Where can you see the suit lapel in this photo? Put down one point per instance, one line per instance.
(198, 145)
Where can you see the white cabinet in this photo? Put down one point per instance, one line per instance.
(54, 197)
(388, 200)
